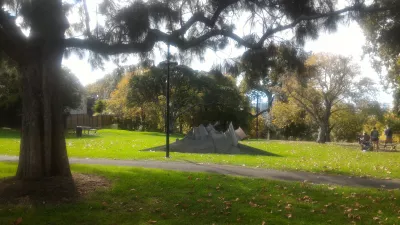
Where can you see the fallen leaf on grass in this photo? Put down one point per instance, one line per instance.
(263, 223)
(152, 221)
(253, 204)
(18, 221)
(289, 215)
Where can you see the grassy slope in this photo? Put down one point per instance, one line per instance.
(305, 156)
(142, 196)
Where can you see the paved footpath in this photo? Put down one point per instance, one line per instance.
(239, 171)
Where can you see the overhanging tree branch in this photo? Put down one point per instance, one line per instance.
(152, 38)
(357, 7)
(176, 38)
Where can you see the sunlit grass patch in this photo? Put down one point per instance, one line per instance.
(148, 196)
(281, 155)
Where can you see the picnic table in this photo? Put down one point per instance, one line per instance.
(81, 130)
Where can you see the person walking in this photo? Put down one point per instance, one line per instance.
(389, 135)
(375, 138)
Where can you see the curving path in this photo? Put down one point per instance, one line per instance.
(239, 171)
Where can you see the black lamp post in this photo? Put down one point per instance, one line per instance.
(257, 111)
(167, 110)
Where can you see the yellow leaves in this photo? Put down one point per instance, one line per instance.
(305, 198)
(151, 221)
(312, 60)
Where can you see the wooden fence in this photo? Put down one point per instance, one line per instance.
(99, 121)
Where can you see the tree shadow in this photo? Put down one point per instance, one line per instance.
(9, 133)
(84, 136)
(244, 150)
(157, 134)
(249, 150)
(16, 134)
(50, 190)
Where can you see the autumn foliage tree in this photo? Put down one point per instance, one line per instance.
(328, 82)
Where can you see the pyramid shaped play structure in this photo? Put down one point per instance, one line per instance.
(203, 139)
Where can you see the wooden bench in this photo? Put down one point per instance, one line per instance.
(92, 130)
(88, 129)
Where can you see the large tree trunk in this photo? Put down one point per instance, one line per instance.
(322, 131)
(43, 151)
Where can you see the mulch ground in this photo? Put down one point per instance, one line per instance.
(53, 190)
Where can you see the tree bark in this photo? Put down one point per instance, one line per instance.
(43, 150)
(328, 134)
(322, 131)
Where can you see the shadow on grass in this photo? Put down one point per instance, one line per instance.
(157, 134)
(149, 196)
(244, 150)
(248, 150)
(49, 190)
(85, 136)
(9, 133)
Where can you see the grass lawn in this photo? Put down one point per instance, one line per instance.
(282, 155)
(145, 196)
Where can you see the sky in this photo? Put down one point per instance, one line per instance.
(348, 40)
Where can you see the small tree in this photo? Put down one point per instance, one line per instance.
(99, 106)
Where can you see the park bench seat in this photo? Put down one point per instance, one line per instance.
(92, 130)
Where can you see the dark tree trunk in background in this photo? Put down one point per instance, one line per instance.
(43, 151)
(322, 133)
(328, 134)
